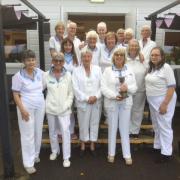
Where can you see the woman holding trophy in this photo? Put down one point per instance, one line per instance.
(118, 85)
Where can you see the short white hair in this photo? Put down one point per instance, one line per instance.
(93, 34)
(129, 31)
(120, 30)
(101, 24)
(71, 23)
(146, 27)
(85, 51)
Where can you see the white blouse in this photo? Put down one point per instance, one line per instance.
(85, 86)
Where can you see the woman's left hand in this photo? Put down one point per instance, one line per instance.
(163, 108)
(92, 99)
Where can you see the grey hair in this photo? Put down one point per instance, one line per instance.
(85, 51)
(146, 27)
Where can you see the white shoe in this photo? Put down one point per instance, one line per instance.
(128, 161)
(66, 163)
(53, 156)
(37, 160)
(110, 159)
(30, 170)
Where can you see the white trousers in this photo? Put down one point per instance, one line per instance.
(31, 134)
(88, 120)
(72, 124)
(137, 112)
(119, 118)
(64, 123)
(162, 124)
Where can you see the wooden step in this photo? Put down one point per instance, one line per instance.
(105, 126)
(142, 140)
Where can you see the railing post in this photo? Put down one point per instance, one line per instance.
(4, 112)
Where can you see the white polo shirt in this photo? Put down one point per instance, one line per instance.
(31, 90)
(55, 43)
(158, 81)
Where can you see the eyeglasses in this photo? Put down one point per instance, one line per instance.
(58, 61)
(119, 55)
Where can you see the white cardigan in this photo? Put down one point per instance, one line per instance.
(109, 87)
(59, 94)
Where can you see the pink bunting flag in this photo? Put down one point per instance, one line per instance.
(18, 14)
(168, 20)
(158, 22)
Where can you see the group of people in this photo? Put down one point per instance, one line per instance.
(109, 71)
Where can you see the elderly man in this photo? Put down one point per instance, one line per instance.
(146, 44)
(101, 30)
(71, 34)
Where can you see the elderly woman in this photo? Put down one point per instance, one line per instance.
(161, 96)
(107, 50)
(128, 35)
(27, 87)
(58, 106)
(86, 84)
(118, 85)
(101, 30)
(138, 67)
(55, 41)
(93, 46)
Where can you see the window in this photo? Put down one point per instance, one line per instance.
(172, 47)
(15, 42)
(86, 22)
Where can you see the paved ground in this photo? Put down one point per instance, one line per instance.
(89, 167)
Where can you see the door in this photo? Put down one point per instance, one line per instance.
(89, 22)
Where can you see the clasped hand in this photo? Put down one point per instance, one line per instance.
(92, 99)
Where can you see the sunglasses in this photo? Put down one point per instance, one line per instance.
(119, 54)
